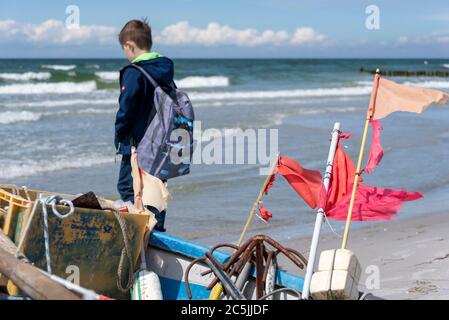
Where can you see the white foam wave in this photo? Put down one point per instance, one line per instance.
(285, 101)
(278, 119)
(213, 133)
(423, 84)
(446, 65)
(203, 82)
(429, 84)
(326, 110)
(44, 88)
(108, 75)
(60, 103)
(93, 66)
(27, 76)
(273, 94)
(96, 111)
(9, 117)
(30, 167)
(59, 67)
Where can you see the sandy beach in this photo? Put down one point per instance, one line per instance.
(412, 256)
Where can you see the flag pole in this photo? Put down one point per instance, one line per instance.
(320, 213)
(369, 115)
(258, 200)
(218, 288)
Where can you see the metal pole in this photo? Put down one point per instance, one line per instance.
(320, 214)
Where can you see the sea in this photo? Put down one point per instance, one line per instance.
(57, 132)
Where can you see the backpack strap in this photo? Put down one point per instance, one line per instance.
(146, 74)
(155, 85)
(153, 82)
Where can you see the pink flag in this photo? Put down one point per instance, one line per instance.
(265, 214)
(376, 151)
(392, 97)
(372, 203)
(307, 183)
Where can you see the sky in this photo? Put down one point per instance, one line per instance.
(229, 29)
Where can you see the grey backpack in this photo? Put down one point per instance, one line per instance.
(166, 148)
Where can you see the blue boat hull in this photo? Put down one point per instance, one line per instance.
(168, 256)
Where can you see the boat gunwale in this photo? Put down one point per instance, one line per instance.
(192, 250)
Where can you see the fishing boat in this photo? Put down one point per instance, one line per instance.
(89, 242)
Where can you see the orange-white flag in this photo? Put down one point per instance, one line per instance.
(392, 97)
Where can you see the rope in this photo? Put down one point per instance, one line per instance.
(295, 292)
(53, 201)
(126, 251)
(330, 226)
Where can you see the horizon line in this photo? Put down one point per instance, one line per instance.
(233, 58)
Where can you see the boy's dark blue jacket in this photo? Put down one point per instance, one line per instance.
(136, 100)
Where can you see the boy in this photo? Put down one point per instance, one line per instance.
(136, 100)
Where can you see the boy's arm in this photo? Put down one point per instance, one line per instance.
(129, 98)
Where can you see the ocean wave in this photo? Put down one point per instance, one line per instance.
(60, 103)
(273, 94)
(45, 88)
(429, 84)
(92, 66)
(27, 76)
(9, 117)
(30, 167)
(423, 84)
(108, 75)
(446, 65)
(285, 101)
(213, 133)
(96, 111)
(278, 119)
(59, 67)
(202, 82)
(325, 110)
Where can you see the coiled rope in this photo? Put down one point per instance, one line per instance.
(126, 251)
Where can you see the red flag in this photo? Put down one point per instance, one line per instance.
(342, 178)
(270, 183)
(265, 214)
(307, 183)
(372, 203)
(376, 151)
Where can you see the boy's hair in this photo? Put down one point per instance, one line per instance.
(138, 31)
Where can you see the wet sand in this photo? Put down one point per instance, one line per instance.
(412, 256)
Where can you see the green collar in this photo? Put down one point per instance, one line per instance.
(146, 56)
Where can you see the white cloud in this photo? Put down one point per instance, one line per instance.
(439, 17)
(443, 39)
(56, 32)
(182, 33)
(403, 40)
(440, 37)
(307, 35)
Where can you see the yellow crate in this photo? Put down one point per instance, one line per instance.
(13, 207)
